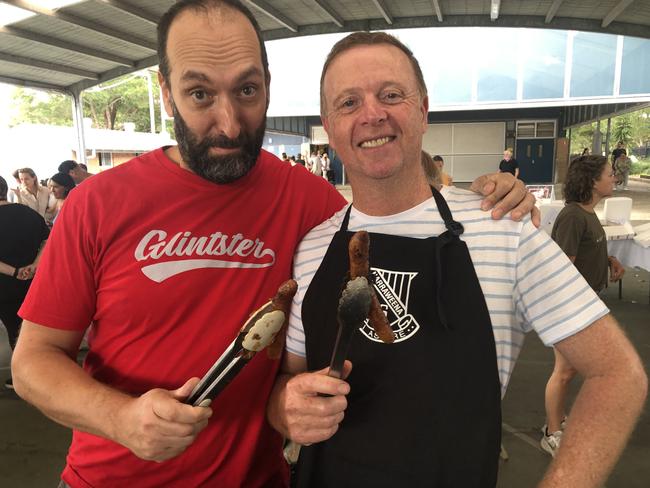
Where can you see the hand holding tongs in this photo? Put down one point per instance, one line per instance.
(260, 331)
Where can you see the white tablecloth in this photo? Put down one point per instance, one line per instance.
(630, 253)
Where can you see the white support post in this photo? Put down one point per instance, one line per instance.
(78, 120)
(152, 113)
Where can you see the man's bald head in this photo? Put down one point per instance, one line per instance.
(206, 7)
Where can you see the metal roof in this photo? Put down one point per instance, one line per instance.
(83, 44)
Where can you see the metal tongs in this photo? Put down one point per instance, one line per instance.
(259, 332)
(353, 308)
(352, 311)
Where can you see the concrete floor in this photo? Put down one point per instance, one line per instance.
(33, 449)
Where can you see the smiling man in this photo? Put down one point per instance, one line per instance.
(203, 233)
(459, 291)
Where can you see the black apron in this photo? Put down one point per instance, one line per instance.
(426, 410)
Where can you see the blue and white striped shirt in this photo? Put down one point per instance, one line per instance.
(528, 282)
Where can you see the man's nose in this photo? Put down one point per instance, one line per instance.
(373, 111)
(226, 117)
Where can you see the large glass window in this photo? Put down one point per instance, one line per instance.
(594, 60)
(542, 54)
(446, 59)
(496, 57)
(635, 69)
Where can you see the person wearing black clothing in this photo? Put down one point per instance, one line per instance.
(620, 149)
(24, 233)
(509, 164)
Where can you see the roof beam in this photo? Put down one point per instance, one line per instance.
(615, 12)
(32, 84)
(552, 11)
(495, 6)
(112, 74)
(269, 11)
(68, 46)
(81, 22)
(330, 12)
(436, 7)
(10, 58)
(383, 10)
(133, 10)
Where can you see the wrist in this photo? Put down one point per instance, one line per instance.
(15, 274)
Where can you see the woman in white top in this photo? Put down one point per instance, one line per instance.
(32, 194)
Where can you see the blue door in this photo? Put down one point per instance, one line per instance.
(535, 158)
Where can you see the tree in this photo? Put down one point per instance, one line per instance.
(39, 107)
(582, 137)
(622, 130)
(125, 99)
(109, 105)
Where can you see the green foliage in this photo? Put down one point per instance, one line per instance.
(622, 130)
(109, 105)
(39, 107)
(582, 137)
(632, 128)
(124, 99)
(641, 167)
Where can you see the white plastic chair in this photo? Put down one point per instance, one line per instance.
(618, 209)
(549, 212)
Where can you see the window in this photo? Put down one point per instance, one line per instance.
(635, 68)
(594, 60)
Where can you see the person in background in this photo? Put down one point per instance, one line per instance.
(300, 160)
(60, 185)
(33, 194)
(431, 170)
(325, 164)
(509, 164)
(622, 166)
(13, 192)
(24, 233)
(444, 177)
(618, 150)
(580, 235)
(316, 164)
(75, 170)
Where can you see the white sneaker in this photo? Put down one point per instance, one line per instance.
(562, 426)
(551, 443)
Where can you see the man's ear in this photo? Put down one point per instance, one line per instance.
(268, 91)
(425, 113)
(166, 94)
(326, 125)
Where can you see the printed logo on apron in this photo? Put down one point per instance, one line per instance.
(393, 289)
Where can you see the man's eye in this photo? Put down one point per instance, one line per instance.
(249, 91)
(199, 95)
(348, 103)
(392, 96)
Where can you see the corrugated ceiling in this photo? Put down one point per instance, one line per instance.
(92, 41)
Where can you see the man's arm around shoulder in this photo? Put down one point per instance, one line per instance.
(154, 426)
(606, 409)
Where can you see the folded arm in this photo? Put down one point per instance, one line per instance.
(606, 408)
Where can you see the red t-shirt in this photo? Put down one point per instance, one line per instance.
(168, 266)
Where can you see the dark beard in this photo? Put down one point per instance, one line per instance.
(218, 169)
